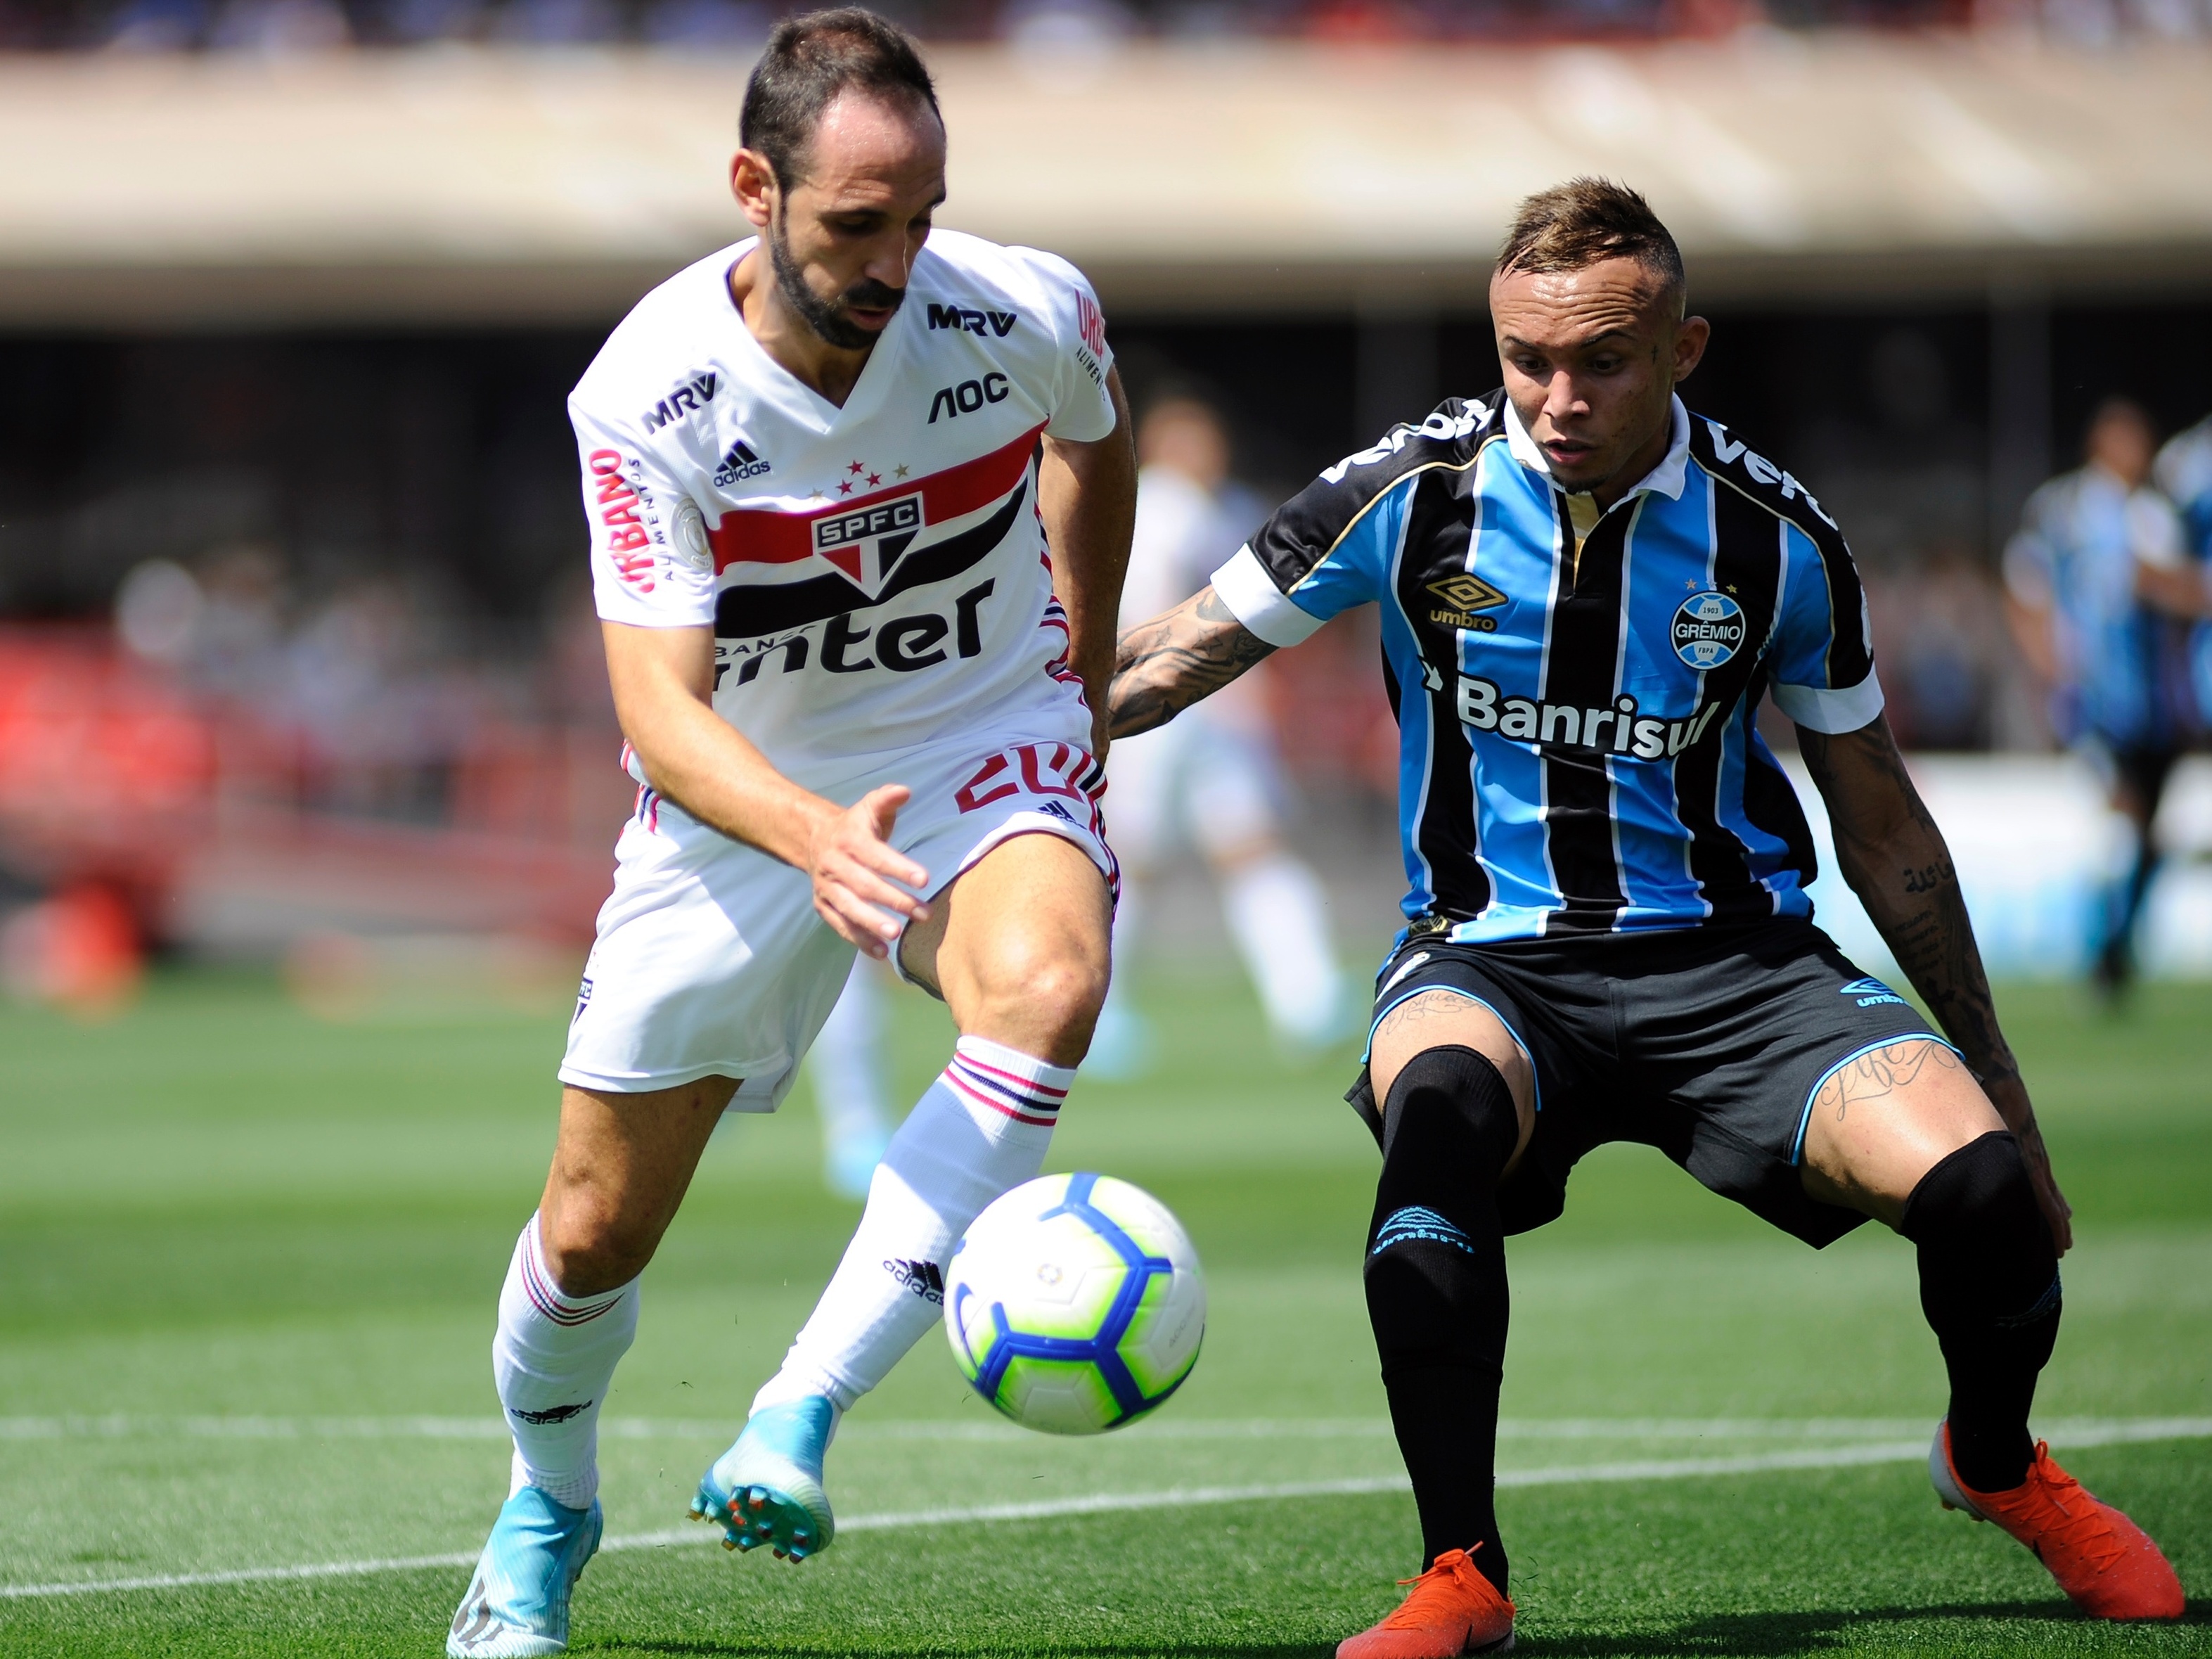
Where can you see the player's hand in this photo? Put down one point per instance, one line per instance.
(2009, 1096)
(859, 877)
(1101, 731)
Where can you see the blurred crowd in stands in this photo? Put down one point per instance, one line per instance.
(1053, 25)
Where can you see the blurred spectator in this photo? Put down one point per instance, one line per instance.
(1065, 31)
(1212, 774)
(2098, 558)
(278, 28)
(158, 26)
(424, 22)
(557, 22)
(1939, 632)
(708, 25)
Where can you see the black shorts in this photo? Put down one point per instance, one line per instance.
(1708, 1044)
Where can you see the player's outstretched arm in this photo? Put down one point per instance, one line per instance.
(663, 687)
(1174, 660)
(1088, 494)
(1892, 853)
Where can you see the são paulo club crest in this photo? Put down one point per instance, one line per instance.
(1707, 631)
(865, 543)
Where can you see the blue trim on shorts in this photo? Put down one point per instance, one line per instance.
(1805, 1117)
(1535, 1077)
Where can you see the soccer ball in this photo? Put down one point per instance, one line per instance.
(1075, 1304)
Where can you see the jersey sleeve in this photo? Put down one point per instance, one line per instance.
(651, 563)
(1082, 407)
(1821, 659)
(1327, 548)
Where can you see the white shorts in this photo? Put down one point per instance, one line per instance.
(711, 959)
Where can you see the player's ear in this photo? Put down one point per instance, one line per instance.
(752, 181)
(1691, 336)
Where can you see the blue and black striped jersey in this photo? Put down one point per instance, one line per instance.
(1576, 692)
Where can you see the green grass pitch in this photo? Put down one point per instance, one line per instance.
(249, 1259)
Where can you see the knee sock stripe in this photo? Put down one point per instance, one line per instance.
(1012, 1079)
(537, 1285)
(981, 1091)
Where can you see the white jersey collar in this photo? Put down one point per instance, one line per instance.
(801, 401)
(1665, 479)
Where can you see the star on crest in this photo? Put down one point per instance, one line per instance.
(856, 468)
(1731, 587)
(874, 479)
(899, 472)
(845, 488)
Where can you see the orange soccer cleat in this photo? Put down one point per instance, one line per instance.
(1453, 1610)
(2104, 1562)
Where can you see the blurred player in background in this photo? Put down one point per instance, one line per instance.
(859, 500)
(1586, 591)
(1214, 776)
(2096, 572)
(2184, 472)
(852, 1093)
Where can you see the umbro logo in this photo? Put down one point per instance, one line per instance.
(740, 463)
(550, 1414)
(1467, 592)
(922, 1278)
(1868, 991)
(1418, 1224)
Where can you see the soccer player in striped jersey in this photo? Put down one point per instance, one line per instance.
(1585, 593)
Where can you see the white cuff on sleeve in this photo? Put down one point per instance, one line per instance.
(1254, 599)
(1832, 712)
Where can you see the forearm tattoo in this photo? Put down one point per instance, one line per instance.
(1166, 665)
(1892, 854)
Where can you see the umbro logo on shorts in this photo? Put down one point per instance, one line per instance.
(1870, 991)
(1418, 1224)
(922, 1278)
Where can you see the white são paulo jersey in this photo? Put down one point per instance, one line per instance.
(876, 575)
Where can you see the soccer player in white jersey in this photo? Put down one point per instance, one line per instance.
(826, 543)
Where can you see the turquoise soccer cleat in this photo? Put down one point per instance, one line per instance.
(766, 1488)
(517, 1606)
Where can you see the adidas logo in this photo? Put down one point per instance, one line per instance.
(1416, 1225)
(740, 463)
(550, 1414)
(922, 1278)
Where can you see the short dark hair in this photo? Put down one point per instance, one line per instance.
(1573, 226)
(808, 60)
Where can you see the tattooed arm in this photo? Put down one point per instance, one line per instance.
(1175, 659)
(1892, 853)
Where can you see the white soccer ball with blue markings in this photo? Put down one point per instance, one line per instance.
(1075, 1304)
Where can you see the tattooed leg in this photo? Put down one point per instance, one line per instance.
(1881, 1122)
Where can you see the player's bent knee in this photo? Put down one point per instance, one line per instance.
(591, 1246)
(1452, 1100)
(1981, 1199)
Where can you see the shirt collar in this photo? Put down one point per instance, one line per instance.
(1665, 479)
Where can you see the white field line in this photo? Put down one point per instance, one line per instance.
(2098, 1433)
(2062, 1430)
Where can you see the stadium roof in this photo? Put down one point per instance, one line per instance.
(477, 186)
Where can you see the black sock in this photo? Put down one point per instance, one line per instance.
(1436, 1292)
(1989, 1283)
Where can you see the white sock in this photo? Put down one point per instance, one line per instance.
(552, 1358)
(1279, 917)
(981, 1129)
